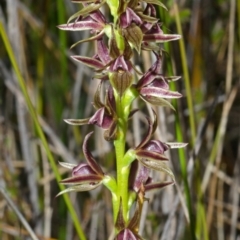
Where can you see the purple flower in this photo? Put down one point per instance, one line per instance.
(140, 179)
(150, 153)
(129, 230)
(85, 176)
(153, 87)
(105, 116)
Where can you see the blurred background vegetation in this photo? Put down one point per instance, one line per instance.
(205, 200)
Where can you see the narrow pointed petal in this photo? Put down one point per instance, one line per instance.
(90, 62)
(150, 155)
(80, 188)
(81, 26)
(160, 38)
(157, 186)
(155, 101)
(120, 223)
(110, 133)
(132, 113)
(158, 165)
(159, 92)
(173, 78)
(89, 157)
(67, 165)
(134, 222)
(110, 101)
(176, 145)
(82, 179)
(97, 100)
(77, 122)
(148, 135)
(95, 37)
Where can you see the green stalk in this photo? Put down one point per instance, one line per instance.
(123, 106)
(186, 75)
(119, 143)
(39, 130)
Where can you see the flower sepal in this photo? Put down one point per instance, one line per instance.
(85, 176)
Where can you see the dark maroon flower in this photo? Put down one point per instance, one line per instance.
(129, 231)
(85, 176)
(156, 34)
(153, 87)
(94, 21)
(139, 177)
(105, 116)
(151, 152)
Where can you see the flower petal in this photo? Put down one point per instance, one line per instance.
(157, 185)
(159, 92)
(80, 188)
(150, 155)
(91, 161)
(161, 38)
(120, 222)
(67, 165)
(95, 37)
(81, 25)
(90, 62)
(157, 165)
(148, 135)
(77, 122)
(176, 145)
(157, 101)
(90, 178)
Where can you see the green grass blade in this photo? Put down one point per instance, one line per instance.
(39, 130)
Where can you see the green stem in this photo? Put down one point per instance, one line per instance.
(119, 143)
(123, 167)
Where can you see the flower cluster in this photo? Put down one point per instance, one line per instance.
(134, 28)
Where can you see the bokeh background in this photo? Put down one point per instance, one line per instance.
(205, 198)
